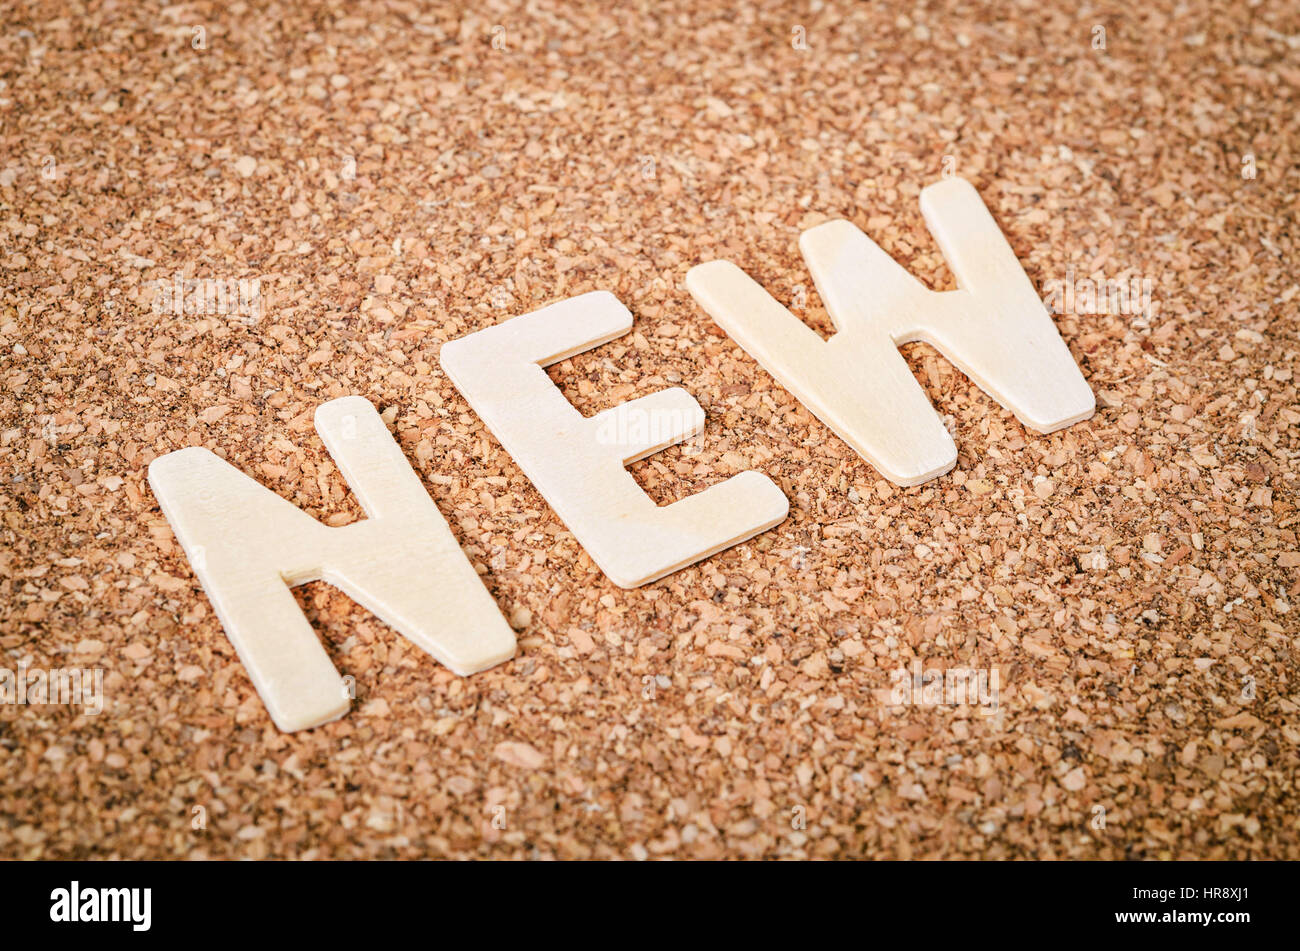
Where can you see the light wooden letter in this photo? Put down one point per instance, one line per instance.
(579, 464)
(994, 328)
(248, 546)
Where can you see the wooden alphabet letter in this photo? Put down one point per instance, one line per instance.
(994, 328)
(578, 464)
(248, 546)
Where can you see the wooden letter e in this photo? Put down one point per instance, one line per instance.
(578, 464)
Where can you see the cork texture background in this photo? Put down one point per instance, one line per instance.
(396, 175)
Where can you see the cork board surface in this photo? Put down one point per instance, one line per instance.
(396, 175)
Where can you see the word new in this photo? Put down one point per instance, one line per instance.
(248, 546)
